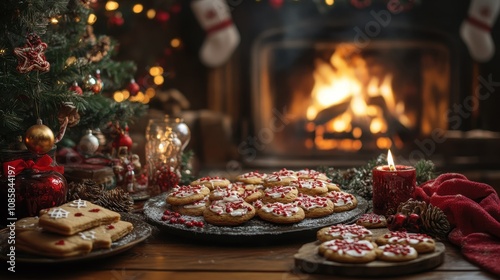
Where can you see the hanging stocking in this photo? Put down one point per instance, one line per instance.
(222, 37)
(476, 28)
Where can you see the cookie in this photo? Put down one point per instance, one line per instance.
(228, 212)
(332, 187)
(211, 182)
(421, 242)
(253, 177)
(342, 201)
(396, 253)
(231, 190)
(280, 213)
(372, 220)
(311, 174)
(59, 246)
(192, 209)
(75, 216)
(310, 187)
(28, 223)
(342, 231)
(280, 178)
(348, 250)
(181, 195)
(252, 193)
(284, 194)
(315, 206)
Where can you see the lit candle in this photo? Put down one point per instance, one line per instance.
(392, 185)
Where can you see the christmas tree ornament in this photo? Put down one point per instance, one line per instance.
(222, 37)
(133, 87)
(37, 181)
(88, 144)
(76, 88)
(68, 110)
(475, 30)
(89, 81)
(116, 20)
(32, 55)
(97, 88)
(39, 138)
(123, 140)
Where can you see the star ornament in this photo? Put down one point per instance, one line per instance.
(32, 57)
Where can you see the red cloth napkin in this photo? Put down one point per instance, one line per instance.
(473, 209)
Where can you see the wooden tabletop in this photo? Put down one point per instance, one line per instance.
(163, 256)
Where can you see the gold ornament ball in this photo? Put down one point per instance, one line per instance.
(39, 139)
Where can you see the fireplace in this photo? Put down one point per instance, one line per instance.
(343, 99)
(341, 87)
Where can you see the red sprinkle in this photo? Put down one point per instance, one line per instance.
(110, 227)
(60, 242)
(95, 210)
(78, 214)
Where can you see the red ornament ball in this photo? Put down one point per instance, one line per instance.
(133, 88)
(76, 88)
(123, 140)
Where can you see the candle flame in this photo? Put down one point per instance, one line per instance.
(390, 161)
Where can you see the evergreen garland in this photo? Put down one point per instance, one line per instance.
(359, 181)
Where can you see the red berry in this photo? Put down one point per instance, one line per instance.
(189, 224)
(199, 224)
(173, 220)
(177, 215)
(399, 219)
(413, 218)
(165, 217)
(167, 212)
(181, 221)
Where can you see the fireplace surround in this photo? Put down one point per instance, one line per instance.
(268, 86)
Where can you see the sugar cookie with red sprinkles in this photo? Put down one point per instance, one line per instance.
(396, 253)
(310, 187)
(280, 178)
(372, 220)
(284, 194)
(315, 206)
(254, 177)
(311, 174)
(348, 250)
(342, 231)
(343, 201)
(192, 209)
(280, 213)
(421, 242)
(180, 195)
(228, 212)
(211, 182)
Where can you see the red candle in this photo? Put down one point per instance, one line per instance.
(392, 184)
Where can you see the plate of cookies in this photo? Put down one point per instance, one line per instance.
(367, 248)
(75, 231)
(255, 207)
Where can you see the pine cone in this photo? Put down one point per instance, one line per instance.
(432, 219)
(87, 190)
(117, 200)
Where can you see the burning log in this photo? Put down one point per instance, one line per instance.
(331, 112)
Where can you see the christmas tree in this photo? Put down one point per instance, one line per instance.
(54, 68)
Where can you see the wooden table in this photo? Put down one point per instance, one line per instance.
(167, 257)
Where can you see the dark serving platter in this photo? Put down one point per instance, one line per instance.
(253, 232)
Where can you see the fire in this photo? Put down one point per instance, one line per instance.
(348, 103)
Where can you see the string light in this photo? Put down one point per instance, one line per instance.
(175, 42)
(111, 6)
(92, 19)
(54, 20)
(150, 92)
(151, 13)
(158, 80)
(155, 71)
(137, 8)
(118, 96)
(330, 2)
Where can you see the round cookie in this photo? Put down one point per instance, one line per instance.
(253, 177)
(280, 213)
(228, 212)
(332, 187)
(396, 253)
(211, 182)
(310, 187)
(343, 201)
(280, 178)
(348, 251)
(311, 174)
(232, 190)
(192, 209)
(252, 194)
(284, 194)
(315, 206)
(181, 195)
(372, 220)
(342, 231)
(421, 242)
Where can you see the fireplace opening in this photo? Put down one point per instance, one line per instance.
(340, 99)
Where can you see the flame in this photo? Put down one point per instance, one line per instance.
(345, 80)
(390, 161)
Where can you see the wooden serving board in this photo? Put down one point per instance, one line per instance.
(308, 260)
